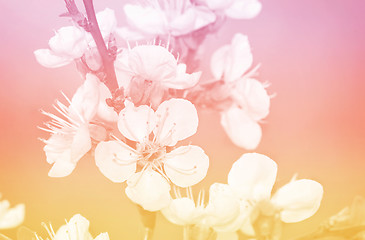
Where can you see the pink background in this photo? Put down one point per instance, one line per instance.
(311, 51)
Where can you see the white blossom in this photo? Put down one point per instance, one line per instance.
(77, 228)
(147, 71)
(11, 217)
(251, 102)
(73, 42)
(157, 17)
(253, 176)
(153, 132)
(72, 132)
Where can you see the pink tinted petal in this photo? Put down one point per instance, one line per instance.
(240, 128)
(81, 143)
(177, 119)
(183, 80)
(149, 189)
(218, 62)
(230, 62)
(153, 63)
(97, 132)
(146, 19)
(104, 111)
(298, 200)
(193, 18)
(186, 166)
(252, 96)
(244, 9)
(115, 160)
(86, 99)
(107, 22)
(239, 58)
(136, 123)
(253, 176)
(69, 41)
(122, 70)
(61, 169)
(47, 58)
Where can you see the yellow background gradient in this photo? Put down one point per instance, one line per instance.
(313, 54)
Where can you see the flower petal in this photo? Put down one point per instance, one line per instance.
(192, 19)
(13, 217)
(298, 200)
(146, 19)
(181, 211)
(47, 58)
(136, 123)
(183, 80)
(104, 111)
(107, 22)
(102, 236)
(149, 189)
(246, 9)
(223, 206)
(76, 228)
(186, 166)
(61, 168)
(218, 62)
(253, 176)
(240, 128)
(69, 41)
(177, 119)
(152, 63)
(252, 96)
(85, 101)
(115, 160)
(81, 143)
(232, 61)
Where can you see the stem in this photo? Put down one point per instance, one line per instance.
(107, 59)
(186, 232)
(149, 221)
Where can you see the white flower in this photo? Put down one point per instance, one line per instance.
(11, 217)
(225, 212)
(147, 71)
(231, 61)
(183, 210)
(251, 102)
(236, 9)
(155, 64)
(72, 42)
(71, 133)
(75, 229)
(253, 176)
(158, 17)
(153, 132)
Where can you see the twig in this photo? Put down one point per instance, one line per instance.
(107, 59)
(90, 24)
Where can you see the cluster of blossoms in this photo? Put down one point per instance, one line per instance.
(137, 104)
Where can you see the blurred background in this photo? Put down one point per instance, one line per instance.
(313, 54)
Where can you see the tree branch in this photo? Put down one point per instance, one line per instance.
(107, 59)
